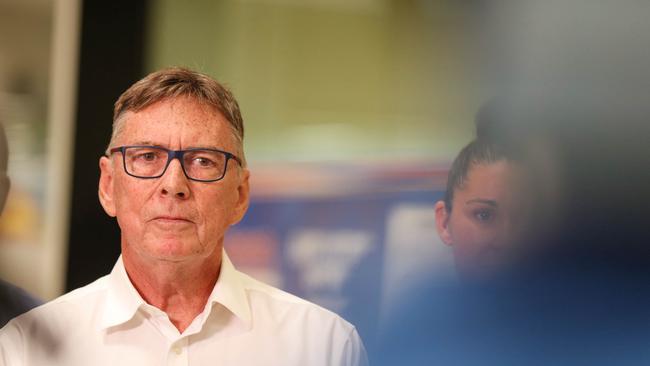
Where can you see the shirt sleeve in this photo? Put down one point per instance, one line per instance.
(11, 347)
(354, 353)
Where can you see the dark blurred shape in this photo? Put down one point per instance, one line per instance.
(589, 161)
(13, 300)
(579, 293)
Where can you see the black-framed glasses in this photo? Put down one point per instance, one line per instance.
(149, 162)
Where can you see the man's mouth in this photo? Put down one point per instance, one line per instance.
(171, 219)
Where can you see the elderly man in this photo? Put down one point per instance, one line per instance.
(175, 177)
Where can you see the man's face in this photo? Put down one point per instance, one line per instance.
(172, 218)
(486, 219)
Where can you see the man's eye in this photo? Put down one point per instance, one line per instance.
(147, 156)
(203, 162)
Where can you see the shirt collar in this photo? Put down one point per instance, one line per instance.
(123, 300)
(230, 291)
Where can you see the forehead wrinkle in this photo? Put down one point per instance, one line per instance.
(181, 115)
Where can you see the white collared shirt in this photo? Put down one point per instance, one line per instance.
(245, 322)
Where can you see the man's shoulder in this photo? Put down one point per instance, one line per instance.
(266, 298)
(295, 319)
(72, 305)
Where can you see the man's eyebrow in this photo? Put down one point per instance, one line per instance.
(483, 201)
(151, 143)
(144, 143)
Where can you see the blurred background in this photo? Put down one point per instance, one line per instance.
(354, 110)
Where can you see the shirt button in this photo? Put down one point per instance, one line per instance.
(177, 350)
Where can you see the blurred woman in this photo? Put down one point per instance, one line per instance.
(482, 215)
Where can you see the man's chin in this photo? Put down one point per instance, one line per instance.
(170, 251)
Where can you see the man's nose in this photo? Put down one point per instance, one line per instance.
(174, 182)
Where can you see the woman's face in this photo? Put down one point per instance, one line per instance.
(486, 218)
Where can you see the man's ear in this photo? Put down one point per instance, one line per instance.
(5, 184)
(442, 222)
(243, 198)
(106, 180)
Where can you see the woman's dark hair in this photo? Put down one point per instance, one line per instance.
(481, 151)
(488, 147)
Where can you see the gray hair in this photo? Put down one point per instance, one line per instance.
(178, 82)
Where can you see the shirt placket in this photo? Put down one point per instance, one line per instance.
(177, 354)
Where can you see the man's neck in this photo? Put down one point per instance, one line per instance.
(180, 289)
